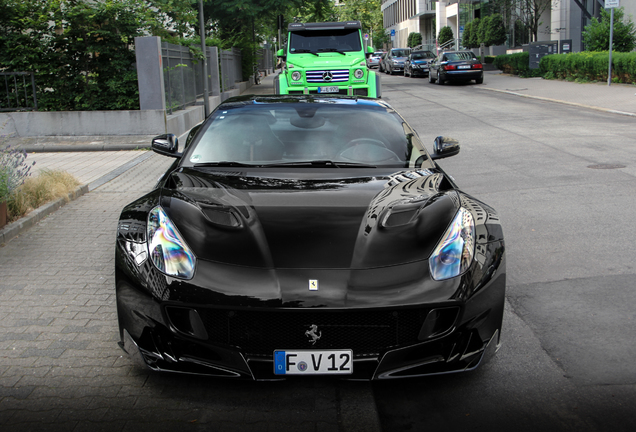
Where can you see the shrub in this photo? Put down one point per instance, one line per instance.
(518, 64)
(414, 39)
(47, 186)
(13, 171)
(445, 35)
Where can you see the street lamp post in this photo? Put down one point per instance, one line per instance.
(206, 101)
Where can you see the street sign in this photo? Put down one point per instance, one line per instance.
(393, 32)
(366, 36)
(612, 4)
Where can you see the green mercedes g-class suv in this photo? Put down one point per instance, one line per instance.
(326, 57)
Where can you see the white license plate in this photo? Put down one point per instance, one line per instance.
(307, 362)
(463, 67)
(328, 90)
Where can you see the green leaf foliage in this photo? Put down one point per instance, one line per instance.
(445, 35)
(596, 34)
(414, 39)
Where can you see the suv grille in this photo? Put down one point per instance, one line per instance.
(338, 76)
(367, 333)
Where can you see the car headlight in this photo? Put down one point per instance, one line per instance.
(359, 73)
(168, 251)
(454, 253)
(296, 76)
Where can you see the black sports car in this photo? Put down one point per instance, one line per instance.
(300, 235)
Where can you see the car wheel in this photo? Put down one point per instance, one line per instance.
(430, 78)
(439, 80)
(479, 80)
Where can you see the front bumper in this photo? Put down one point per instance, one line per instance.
(238, 342)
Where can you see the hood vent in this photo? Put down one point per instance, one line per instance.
(221, 216)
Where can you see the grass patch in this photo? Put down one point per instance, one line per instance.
(48, 186)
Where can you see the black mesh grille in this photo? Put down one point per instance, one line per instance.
(367, 333)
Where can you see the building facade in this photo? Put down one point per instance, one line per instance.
(563, 19)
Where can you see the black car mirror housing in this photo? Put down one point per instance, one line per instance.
(166, 145)
(445, 147)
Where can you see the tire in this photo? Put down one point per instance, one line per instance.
(405, 74)
(479, 80)
(430, 78)
(439, 80)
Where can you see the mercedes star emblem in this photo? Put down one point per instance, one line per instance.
(327, 76)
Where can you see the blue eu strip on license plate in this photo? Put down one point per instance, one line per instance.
(308, 362)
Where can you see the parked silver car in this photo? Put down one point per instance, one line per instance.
(374, 59)
(394, 60)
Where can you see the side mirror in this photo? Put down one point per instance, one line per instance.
(166, 145)
(369, 50)
(280, 53)
(445, 147)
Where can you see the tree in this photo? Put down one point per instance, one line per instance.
(414, 39)
(596, 34)
(531, 11)
(369, 13)
(445, 35)
(495, 33)
(467, 35)
(473, 35)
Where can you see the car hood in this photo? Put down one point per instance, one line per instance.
(328, 221)
(419, 61)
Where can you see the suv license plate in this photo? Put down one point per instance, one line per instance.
(328, 90)
(308, 362)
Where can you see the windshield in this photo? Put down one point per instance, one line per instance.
(400, 53)
(315, 41)
(301, 133)
(422, 55)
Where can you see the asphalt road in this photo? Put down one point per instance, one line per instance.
(563, 181)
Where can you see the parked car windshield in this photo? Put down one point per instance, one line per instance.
(320, 41)
(400, 52)
(459, 56)
(271, 134)
(422, 55)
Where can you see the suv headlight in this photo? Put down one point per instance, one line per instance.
(168, 251)
(359, 73)
(454, 253)
(296, 76)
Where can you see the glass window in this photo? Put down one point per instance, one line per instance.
(315, 41)
(274, 133)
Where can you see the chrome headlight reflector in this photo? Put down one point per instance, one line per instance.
(358, 73)
(454, 253)
(168, 251)
(296, 76)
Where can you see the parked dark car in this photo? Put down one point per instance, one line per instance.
(394, 60)
(381, 64)
(456, 66)
(305, 235)
(417, 63)
(373, 60)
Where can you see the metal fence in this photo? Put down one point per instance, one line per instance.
(20, 92)
(231, 72)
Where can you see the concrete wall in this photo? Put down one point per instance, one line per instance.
(104, 123)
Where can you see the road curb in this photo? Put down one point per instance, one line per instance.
(607, 110)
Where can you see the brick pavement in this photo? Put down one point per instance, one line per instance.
(61, 368)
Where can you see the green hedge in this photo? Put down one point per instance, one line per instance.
(583, 66)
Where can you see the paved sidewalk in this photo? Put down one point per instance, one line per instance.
(618, 98)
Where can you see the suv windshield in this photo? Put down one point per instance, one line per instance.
(317, 41)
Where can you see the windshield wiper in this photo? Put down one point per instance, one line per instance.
(224, 164)
(331, 50)
(319, 164)
(306, 51)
